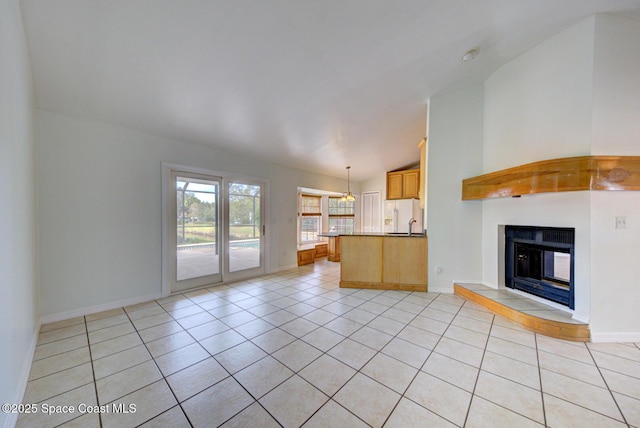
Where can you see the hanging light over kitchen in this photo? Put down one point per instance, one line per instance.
(348, 196)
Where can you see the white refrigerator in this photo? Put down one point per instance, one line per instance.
(397, 214)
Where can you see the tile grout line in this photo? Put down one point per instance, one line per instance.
(86, 334)
(466, 416)
(210, 355)
(323, 353)
(93, 373)
(296, 373)
(480, 369)
(544, 407)
(213, 357)
(588, 383)
(403, 394)
(255, 400)
(624, 418)
(431, 351)
(159, 370)
(475, 384)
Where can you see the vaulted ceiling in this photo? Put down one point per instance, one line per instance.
(313, 84)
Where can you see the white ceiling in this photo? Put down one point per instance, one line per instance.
(314, 84)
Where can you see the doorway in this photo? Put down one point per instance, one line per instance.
(371, 212)
(213, 228)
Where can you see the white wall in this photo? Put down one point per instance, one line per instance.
(455, 153)
(377, 183)
(615, 272)
(578, 93)
(100, 208)
(18, 275)
(538, 107)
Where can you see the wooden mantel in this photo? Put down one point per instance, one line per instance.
(557, 175)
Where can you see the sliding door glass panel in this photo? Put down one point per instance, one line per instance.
(197, 229)
(245, 226)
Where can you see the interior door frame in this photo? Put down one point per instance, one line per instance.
(168, 266)
(378, 194)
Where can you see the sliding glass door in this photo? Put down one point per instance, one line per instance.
(197, 232)
(216, 229)
(245, 229)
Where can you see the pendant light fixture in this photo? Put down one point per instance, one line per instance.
(348, 196)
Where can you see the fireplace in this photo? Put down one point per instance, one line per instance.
(539, 261)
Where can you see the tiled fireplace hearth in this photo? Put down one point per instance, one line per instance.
(528, 313)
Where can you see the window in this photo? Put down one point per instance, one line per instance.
(310, 218)
(341, 215)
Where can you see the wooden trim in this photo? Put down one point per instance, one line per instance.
(383, 286)
(557, 175)
(557, 329)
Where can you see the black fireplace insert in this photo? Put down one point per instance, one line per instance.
(539, 261)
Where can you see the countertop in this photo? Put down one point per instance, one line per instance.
(397, 235)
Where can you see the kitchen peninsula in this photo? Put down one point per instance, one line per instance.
(382, 261)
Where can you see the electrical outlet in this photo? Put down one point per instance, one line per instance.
(621, 222)
(438, 269)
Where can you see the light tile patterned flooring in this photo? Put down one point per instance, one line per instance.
(292, 349)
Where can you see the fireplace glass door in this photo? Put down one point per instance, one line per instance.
(539, 261)
(541, 264)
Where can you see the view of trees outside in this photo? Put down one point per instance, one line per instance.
(197, 211)
(244, 211)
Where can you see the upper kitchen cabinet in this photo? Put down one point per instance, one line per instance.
(403, 184)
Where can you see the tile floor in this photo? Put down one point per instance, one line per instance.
(292, 349)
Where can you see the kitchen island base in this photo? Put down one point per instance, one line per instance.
(384, 262)
(383, 286)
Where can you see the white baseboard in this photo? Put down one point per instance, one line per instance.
(97, 308)
(286, 267)
(448, 289)
(618, 337)
(12, 418)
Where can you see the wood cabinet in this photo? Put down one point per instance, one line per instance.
(322, 250)
(411, 184)
(384, 263)
(334, 249)
(403, 184)
(306, 256)
(394, 185)
(405, 261)
(360, 261)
